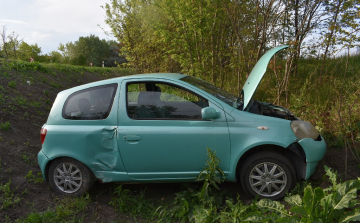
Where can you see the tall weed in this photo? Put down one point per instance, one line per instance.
(7, 197)
(199, 205)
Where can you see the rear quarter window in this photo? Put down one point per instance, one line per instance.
(90, 104)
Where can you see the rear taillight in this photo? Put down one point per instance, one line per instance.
(43, 132)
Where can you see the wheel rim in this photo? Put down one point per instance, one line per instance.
(68, 177)
(268, 179)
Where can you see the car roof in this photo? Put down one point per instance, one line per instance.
(169, 76)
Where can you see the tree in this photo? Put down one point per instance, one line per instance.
(14, 43)
(218, 40)
(133, 23)
(55, 57)
(9, 43)
(26, 51)
(4, 43)
(86, 50)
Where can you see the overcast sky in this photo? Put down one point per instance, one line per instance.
(49, 22)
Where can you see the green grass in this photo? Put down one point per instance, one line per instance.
(66, 210)
(20, 101)
(56, 85)
(12, 84)
(35, 104)
(136, 205)
(5, 126)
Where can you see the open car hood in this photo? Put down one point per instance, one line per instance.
(257, 74)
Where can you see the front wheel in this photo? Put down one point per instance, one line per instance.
(267, 175)
(70, 177)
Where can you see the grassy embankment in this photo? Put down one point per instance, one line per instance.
(330, 103)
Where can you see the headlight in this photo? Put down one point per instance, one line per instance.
(304, 130)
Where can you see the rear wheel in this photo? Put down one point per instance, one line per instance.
(70, 177)
(267, 175)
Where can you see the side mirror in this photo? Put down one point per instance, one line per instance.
(209, 113)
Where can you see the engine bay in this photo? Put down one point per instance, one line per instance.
(268, 109)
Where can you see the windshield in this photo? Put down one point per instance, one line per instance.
(213, 90)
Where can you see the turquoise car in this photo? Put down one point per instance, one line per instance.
(157, 127)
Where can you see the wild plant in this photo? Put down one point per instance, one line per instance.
(7, 196)
(212, 176)
(66, 210)
(12, 84)
(198, 204)
(32, 178)
(5, 126)
(134, 204)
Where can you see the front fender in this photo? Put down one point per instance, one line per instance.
(245, 136)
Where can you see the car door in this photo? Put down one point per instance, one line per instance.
(161, 134)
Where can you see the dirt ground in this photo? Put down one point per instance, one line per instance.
(20, 145)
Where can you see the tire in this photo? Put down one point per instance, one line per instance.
(70, 177)
(267, 175)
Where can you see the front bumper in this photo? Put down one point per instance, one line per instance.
(314, 151)
(42, 160)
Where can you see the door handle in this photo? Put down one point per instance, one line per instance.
(131, 138)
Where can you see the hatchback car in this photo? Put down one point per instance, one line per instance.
(157, 127)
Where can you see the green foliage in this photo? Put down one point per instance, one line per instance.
(12, 84)
(27, 51)
(199, 205)
(329, 205)
(56, 85)
(220, 41)
(26, 66)
(26, 159)
(5, 74)
(35, 104)
(5, 126)
(8, 199)
(20, 101)
(66, 210)
(126, 201)
(132, 22)
(32, 178)
(55, 56)
(90, 49)
(48, 102)
(337, 203)
(212, 175)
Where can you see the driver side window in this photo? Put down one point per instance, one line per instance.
(158, 100)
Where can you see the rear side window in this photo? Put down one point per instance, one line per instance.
(90, 104)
